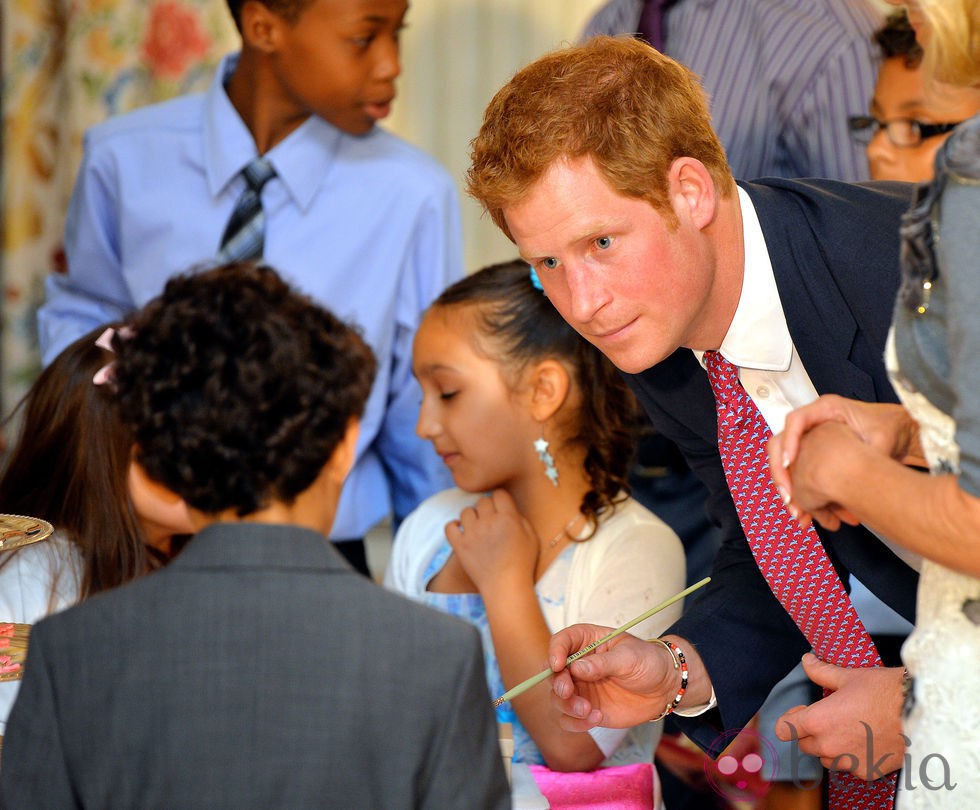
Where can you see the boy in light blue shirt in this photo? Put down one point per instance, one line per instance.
(358, 219)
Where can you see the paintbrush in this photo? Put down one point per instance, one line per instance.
(534, 680)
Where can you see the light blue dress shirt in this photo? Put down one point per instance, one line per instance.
(782, 75)
(366, 225)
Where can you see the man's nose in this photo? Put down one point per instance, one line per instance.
(586, 289)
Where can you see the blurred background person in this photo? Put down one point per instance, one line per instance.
(909, 118)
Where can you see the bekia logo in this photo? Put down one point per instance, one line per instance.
(737, 775)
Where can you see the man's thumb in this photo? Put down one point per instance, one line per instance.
(829, 676)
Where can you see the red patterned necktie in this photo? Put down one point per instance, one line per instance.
(792, 559)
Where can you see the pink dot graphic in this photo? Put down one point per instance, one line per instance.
(737, 773)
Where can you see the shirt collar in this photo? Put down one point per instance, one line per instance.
(758, 336)
(301, 161)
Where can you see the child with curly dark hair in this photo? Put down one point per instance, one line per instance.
(535, 426)
(258, 669)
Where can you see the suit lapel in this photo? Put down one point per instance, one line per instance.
(819, 318)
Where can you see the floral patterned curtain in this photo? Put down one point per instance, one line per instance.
(68, 64)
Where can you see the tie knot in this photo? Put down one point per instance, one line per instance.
(730, 397)
(720, 371)
(258, 173)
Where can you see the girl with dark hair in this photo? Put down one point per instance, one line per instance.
(71, 466)
(535, 426)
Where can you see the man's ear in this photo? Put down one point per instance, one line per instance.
(692, 191)
(261, 27)
(550, 383)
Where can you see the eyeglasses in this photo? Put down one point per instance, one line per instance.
(901, 132)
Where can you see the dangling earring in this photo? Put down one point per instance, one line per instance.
(550, 470)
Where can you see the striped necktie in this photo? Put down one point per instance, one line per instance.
(792, 559)
(244, 236)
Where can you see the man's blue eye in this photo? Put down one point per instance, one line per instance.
(550, 263)
(603, 242)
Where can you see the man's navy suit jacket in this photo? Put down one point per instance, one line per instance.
(834, 249)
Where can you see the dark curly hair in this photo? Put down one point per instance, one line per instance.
(896, 38)
(237, 388)
(518, 318)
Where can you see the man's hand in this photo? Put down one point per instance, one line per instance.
(887, 428)
(622, 683)
(856, 728)
(815, 474)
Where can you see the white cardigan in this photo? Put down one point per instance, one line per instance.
(633, 562)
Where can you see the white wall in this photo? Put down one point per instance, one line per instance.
(456, 54)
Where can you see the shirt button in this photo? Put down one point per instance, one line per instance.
(762, 392)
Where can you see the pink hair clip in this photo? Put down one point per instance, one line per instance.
(104, 341)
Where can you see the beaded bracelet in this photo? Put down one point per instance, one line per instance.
(680, 662)
(908, 697)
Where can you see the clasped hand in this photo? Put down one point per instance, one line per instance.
(804, 456)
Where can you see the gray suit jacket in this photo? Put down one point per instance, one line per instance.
(256, 670)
